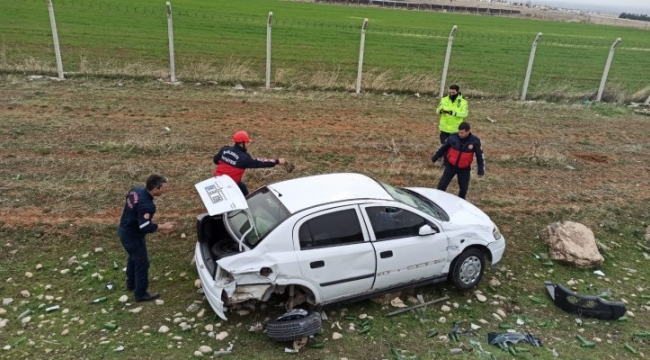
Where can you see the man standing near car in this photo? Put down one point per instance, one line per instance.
(458, 151)
(453, 110)
(136, 222)
(234, 160)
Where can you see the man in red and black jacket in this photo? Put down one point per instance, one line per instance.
(234, 160)
(458, 151)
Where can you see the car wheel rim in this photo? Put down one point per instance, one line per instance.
(470, 270)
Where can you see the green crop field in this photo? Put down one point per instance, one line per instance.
(317, 46)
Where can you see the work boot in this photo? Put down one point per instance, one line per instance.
(148, 297)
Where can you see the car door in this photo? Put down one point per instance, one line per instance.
(335, 253)
(402, 254)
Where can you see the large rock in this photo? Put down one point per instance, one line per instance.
(572, 243)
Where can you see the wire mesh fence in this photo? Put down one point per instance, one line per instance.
(113, 38)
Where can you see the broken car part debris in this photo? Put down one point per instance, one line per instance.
(513, 338)
(584, 305)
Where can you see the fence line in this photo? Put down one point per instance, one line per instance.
(459, 35)
(55, 39)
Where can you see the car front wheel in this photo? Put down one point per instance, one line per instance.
(468, 269)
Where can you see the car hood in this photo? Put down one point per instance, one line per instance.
(460, 211)
(220, 194)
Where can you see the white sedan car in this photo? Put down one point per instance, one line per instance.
(336, 238)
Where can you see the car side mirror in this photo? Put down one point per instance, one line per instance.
(427, 230)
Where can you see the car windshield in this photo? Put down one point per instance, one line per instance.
(267, 212)
(412, 199)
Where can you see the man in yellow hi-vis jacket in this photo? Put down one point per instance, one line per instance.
(453, 111)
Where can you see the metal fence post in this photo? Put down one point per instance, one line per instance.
(447, 57)
(170, 31)
(606, 72)
(55, 37)
(363, 41)
(530, 66)
(268, 49)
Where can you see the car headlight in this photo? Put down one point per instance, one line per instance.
(496, 233)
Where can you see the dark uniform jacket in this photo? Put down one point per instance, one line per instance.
(137, 217)
(234, 160)
(459, 153)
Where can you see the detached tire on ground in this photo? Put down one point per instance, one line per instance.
(293, 325)
(467, 270)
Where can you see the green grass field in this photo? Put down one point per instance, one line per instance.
(316, 46)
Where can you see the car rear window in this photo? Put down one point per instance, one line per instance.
(332, 229)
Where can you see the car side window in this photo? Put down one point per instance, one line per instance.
(337, 228)
(392, 222)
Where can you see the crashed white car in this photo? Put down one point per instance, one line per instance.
(335, 238)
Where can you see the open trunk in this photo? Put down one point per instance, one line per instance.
(215, 241)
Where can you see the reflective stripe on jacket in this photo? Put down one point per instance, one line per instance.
(449, 122)
(137, 216)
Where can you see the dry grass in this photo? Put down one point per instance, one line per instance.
(79, 145)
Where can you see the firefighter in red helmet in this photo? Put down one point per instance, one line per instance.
(234, 160)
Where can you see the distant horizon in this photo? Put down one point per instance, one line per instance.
(609, 6)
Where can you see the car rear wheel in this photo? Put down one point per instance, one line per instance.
(294, 325)
(468, 269)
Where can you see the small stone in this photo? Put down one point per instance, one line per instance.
(7, 347)
(65, 332)
(581, 330)
(624, 301)
(119, 348)
(136, 310)
(2, 311)
(198, 353)
(160, 302)
(7, 301)
(336, 336)
(73, 261)
(29, 275)
(455, 305)
(495, 282)
(481, 298)
(25, 293)
(443, 338)
(48, 287)
(123, 299)
(445, 308)
(597, 339)
(243, 312)
(222, 335)
(163, 329)
(194, 307)
(26, 319)
(209, 327)
(183, 236)
(629, 314)
(49, 297)
(197, 283)
(474, 327)
(571, 282)
(65, 271)
(442, 320)
(99, 249)
(483, 321)
(39, 266)
(496, 316)
(205, 349)
(363, 316)
(65, 311)
(501, 313)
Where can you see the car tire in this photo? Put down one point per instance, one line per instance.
(468, 268)
(294, 325)
(225, 247)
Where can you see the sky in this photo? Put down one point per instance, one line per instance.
(615, 6)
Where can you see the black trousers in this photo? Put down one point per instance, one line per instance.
(463, 179)
(243, 188)
(443, 137)
(137, 264)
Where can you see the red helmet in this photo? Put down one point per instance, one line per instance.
(240, 137)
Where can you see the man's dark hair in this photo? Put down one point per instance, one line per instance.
(454, 87)
(156, 181)
(464, 126)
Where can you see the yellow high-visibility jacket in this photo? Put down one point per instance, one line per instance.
(449, 122)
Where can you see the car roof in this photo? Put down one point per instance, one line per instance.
(305, 192)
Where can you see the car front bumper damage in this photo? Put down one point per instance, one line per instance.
(497, 248)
